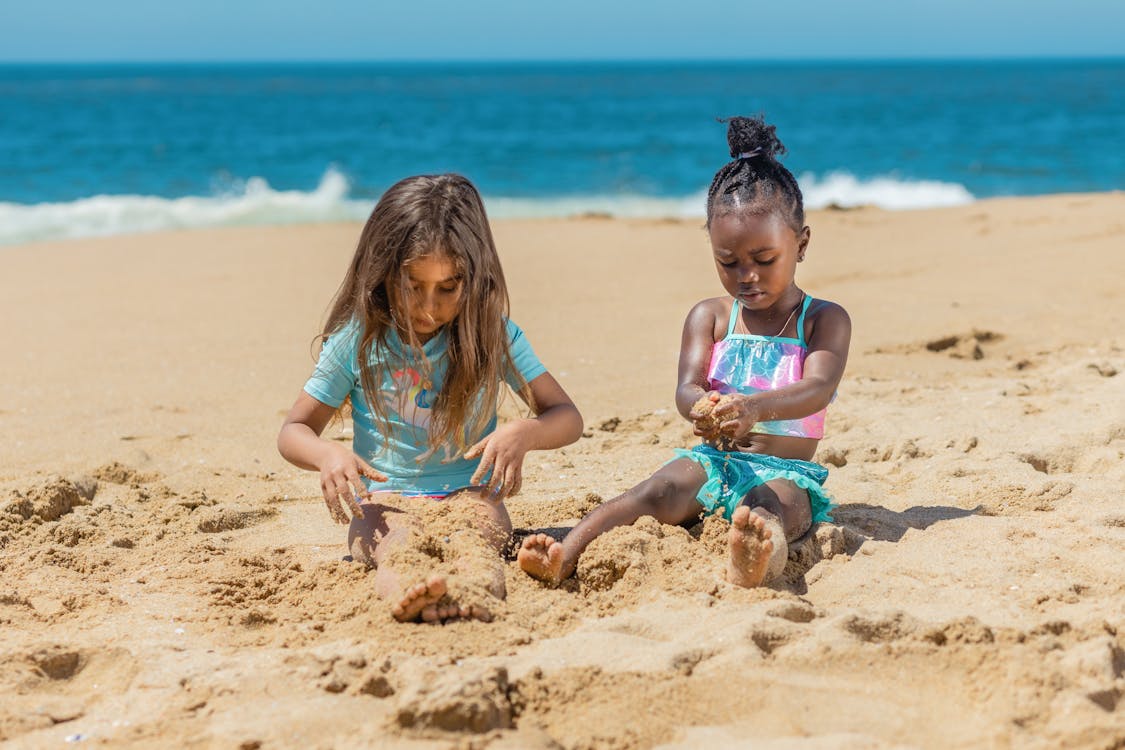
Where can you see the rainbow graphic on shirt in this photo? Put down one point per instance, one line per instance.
(411, 397)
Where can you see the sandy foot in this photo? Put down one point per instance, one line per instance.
(541, 557)
(443, 612)
(750, 548)
(418, 598)
(427, 602)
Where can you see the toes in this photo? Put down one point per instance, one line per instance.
(741, 517)
(538, 542)
(435, 586)
(430, 613)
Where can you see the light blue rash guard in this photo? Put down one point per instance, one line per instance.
(401, 449)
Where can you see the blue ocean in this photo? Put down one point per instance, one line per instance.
(104, 149)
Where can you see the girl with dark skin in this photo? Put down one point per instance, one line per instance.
(766, 435)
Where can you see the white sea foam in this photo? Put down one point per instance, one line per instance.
(838, 189)
(253, 202)
(256, 203)
(844, 190)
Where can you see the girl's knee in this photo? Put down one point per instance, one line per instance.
(786, 502)
(494, 522)
(667, 496)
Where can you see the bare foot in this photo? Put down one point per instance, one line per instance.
(419, 597)
(750, 548)
(437, 613)
(541, 557)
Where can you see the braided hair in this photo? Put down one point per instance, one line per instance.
(754, 179)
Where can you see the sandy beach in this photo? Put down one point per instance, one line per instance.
(167, 580)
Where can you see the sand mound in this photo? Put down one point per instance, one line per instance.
(166, 580)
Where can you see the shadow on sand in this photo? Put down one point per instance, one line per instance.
(884, 525)
(853, 525)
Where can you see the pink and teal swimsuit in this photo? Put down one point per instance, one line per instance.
(747, 364)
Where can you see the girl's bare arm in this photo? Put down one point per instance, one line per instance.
(556, 423)
(299, 442)
(695, 355)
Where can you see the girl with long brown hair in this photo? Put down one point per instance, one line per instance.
(419, 342)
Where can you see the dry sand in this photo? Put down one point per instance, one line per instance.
(166, 580)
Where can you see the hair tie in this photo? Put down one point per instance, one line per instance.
(748, 154)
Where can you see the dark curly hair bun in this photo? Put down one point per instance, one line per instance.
(757, 181)
(749, 134)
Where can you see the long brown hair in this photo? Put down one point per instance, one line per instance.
(438, 216)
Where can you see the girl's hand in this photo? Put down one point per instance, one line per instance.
(503, 451)
(736, 415)
(703, 418)
(340, 482)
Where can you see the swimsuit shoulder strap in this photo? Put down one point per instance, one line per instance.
(801, 320)
(735, 310)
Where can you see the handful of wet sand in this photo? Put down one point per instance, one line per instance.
(705, 408)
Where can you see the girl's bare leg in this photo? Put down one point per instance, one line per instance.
(668, 496)
(495, 528)
(372, 539)
(384, 529)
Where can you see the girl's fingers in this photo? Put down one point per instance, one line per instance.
(726, 408)
(732, 427)
(509, 488)
(334, 508)
(706, 434)
(476, 449)
(329, 492)
(517, 485)
(344, 498)
(360, 489)
(485, 464)
(357, 512)
(356, 486)
(495, 482)
(366, 470)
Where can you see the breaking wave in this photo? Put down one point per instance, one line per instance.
(254, 202)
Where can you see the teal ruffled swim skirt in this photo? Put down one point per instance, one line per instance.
(731, 474)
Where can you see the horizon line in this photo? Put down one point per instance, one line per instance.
(574, 61)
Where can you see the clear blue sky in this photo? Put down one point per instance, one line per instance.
(219, 30)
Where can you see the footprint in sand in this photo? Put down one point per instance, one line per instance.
(57, 662)
(231, 519)
(963, 346)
